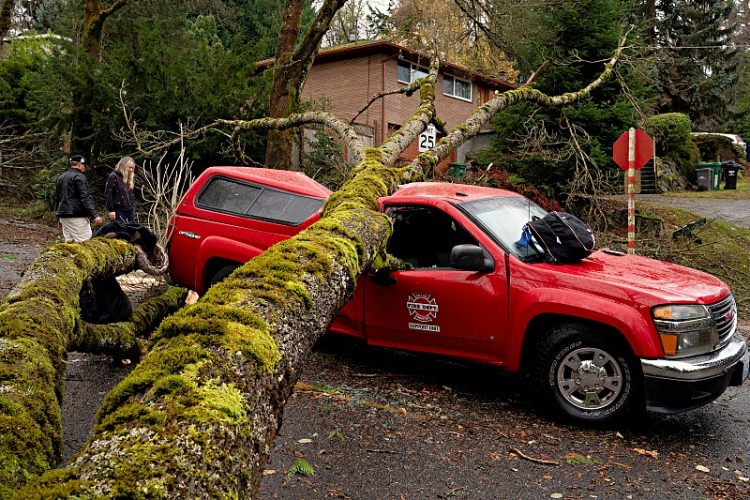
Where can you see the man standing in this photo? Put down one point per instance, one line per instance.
(75, 206)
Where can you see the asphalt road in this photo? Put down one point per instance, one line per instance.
(735, 212)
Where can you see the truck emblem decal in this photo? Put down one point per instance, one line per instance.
(729, 316)
(422, 308)
(189, 234)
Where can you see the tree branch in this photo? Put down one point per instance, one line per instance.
(125, 338)
(471, 127)
(346, 132)
(408, 90)
(305, 52)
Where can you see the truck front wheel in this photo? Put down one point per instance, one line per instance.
(586, 376)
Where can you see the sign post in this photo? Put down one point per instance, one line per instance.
(631, 191)
(631, 151)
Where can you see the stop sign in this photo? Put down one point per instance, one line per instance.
(644, 149)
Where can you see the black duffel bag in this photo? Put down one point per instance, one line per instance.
(563, 236)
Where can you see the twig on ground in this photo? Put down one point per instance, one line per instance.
(532, 459)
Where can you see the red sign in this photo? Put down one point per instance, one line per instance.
(644, 149)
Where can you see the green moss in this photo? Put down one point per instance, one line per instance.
(223, 402)
(255, 343)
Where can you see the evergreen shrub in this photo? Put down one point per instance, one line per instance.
(671, 133)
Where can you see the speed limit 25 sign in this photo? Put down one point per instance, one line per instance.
(427, 138)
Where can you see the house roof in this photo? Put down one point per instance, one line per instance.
(368, 47)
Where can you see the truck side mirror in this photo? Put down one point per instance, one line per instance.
(471, 258)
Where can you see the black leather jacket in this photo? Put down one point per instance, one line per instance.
(72, 195)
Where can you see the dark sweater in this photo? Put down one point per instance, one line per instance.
(118, 195)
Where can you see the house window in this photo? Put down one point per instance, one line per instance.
(408, 72)
(456, 87)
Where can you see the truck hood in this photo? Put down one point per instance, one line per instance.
(647, 281)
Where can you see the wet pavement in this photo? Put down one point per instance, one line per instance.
(377, 423)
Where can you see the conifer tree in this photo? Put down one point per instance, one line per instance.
(696, 59)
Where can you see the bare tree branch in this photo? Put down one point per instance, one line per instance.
(471, 127)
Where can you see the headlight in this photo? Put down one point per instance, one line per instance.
(685, 330)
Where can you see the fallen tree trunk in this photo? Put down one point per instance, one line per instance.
(197, 416)
(39, 323)
(126, 339)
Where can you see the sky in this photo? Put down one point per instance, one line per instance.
(381, 5)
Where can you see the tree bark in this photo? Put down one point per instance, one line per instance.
(38, 318)
(291, 66)
(198, 415)
(6, 12)
(94, 17)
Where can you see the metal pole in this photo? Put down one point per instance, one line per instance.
(631, 191)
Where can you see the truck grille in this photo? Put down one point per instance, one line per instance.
(724, 314)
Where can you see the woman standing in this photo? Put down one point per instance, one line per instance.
(120, 202)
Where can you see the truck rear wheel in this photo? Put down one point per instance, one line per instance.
(586, 376)
(222, 273)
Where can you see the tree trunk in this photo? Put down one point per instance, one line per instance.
(94, 17)
(38, 318)
(196, 418)
(6, 12)
(291, 66)
(284, 97)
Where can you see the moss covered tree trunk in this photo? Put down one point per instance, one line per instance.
(196, 418)
(39, 323)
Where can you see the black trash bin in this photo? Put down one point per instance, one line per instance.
(730, 169)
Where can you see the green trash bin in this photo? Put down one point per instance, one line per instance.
(457, 170)
(715, 167)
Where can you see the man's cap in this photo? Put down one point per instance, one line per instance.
(78, 159)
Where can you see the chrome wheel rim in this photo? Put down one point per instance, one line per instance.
(589, 378)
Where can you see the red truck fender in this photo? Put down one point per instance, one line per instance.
(538, 303)
(219, 247)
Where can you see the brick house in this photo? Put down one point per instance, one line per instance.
(343, 79)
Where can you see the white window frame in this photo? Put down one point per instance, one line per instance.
(412, 70)
(453, 94)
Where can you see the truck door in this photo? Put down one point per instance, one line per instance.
(433, 307)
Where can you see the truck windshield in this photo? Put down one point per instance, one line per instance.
(503, 218)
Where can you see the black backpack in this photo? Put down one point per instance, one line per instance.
(564, 237)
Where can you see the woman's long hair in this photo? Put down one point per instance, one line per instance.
(127, 175)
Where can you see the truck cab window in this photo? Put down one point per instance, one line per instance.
(425, 236)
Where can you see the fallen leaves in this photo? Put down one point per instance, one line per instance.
(650, 453)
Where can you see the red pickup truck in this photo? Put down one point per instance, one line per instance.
(608, 335)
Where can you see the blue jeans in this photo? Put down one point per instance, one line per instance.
(126, 215)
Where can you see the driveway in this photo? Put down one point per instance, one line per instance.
(736, 212)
